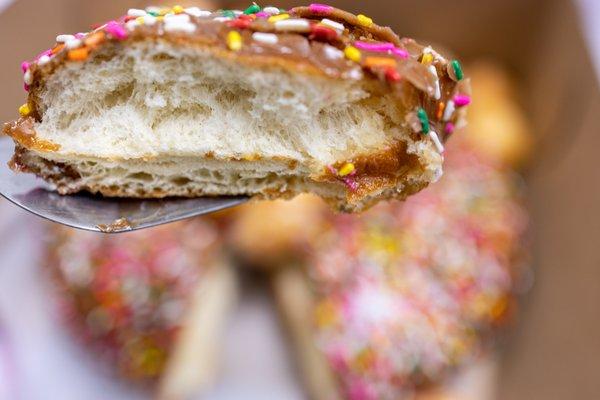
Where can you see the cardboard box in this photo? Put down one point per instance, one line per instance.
(552, 354)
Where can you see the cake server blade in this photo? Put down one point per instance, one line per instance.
(97, 213)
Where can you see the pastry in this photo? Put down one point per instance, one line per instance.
(263, 102)
(151, 303)
(389, 303)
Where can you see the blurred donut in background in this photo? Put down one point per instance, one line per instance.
(407, 292)
(498, 127)
(132, 297)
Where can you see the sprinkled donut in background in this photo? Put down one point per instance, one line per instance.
(407, 292)
(136, 297)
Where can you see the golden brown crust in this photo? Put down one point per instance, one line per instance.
(24, 134)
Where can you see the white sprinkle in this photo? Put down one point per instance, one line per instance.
(149, 20)
(222, 19)
(355, 74)
(450, 107)
(177, 18)
(178, 25)
(339, 28)
(134, 12)
(271, 10)
(27, 78)
(438, 93)
(130, 25)
(73, 43)
(269, 38)
(333, 53)
(293, 25)
(45, 59)
(197, 12)
(436, 140)
(237, 13)
(64, 38)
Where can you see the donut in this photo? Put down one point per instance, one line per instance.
(263, 102)
(390, 302)
(150, 303)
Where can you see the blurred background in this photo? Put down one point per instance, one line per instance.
(485, 286)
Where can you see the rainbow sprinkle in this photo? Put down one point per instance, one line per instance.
(320, 8)
(234, 41)
(424, 119)
(458, 72)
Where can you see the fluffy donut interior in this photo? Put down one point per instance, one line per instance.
(153, 117)
(155, 99)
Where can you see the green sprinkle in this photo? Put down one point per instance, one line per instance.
(457, 70)
(154, 13)
(228, 13)
(253, 9)
(424, 120)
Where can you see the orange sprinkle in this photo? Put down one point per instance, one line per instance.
(440, 110)
(95, 39)
(79, 54)
(380, 62)
(58, 48)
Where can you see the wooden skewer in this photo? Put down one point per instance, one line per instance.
(192, 367)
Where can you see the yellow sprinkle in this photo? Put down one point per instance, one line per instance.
(364, 20)
(279, 17)
(160, 18)
(352, 53)
(164, 11)
(24, 110)
(234, 40)
(177, 10)
(427, 58)
(326, 314)
(140, 20)
(347, 169)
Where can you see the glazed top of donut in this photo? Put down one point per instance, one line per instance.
(317, 39)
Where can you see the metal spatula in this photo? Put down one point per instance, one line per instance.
(96, 213)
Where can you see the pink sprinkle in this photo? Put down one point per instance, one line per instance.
(320, 8)
(359, 390)
(24, 66)
(461, 100)
(116, 30)
(44, 53)
(449, 129)
(26, 87)
(79, 35)
(262, 14)
(351, 183)
(374, 46)
(332, 169)
(400, 53)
